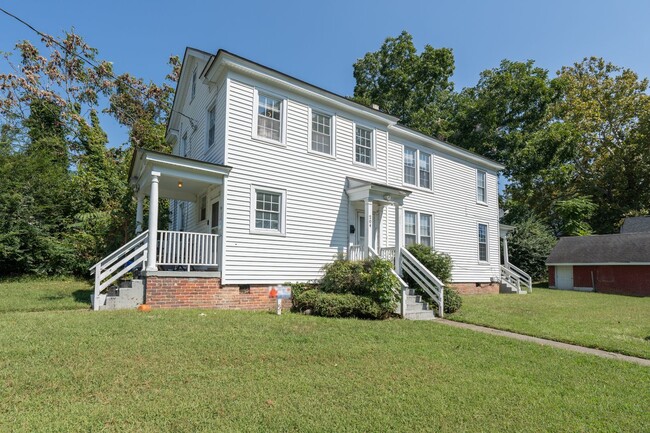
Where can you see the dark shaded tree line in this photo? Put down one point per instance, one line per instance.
(65, 200)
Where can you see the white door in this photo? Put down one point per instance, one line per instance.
(361, 228)
(564, 277)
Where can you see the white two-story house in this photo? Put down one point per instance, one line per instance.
(272, 177)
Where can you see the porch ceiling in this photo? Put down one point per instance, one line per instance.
(192, 175)
(358, 189)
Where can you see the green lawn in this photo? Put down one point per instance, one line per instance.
(611, 322)
(208, 370)
(28, 294)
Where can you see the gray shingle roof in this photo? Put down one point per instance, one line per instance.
(636, 225)
(619, 248)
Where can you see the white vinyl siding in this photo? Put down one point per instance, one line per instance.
(212, 125)
(321, 133)
(203, 206)
(481, 187)
(482, 242)
(363, 149)
(183, 151)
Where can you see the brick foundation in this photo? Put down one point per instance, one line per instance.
(476, 288)
(205, 292)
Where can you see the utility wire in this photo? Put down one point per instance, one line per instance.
(90, 62)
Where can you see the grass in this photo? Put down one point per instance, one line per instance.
(610, 322)
(30, 294)
(192, 370)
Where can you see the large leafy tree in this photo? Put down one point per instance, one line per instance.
(417, 88)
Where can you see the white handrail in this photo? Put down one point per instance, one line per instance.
(178, 248)
(424, 277)
(120, 251)
(523, 276)
(511, 277)
(388, 253)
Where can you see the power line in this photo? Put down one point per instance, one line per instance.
(88, 61)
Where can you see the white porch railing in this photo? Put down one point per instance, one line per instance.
(388, 253)
(115, 265)
(186, 249)
(355, 252)
(516, 277)
(425, 279)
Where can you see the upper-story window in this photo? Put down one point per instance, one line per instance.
(321, 133)
(482, 243)
(363, 151)
(269, 117)
(481, 188)
(417, 168)
(212, 120)
(193, 89)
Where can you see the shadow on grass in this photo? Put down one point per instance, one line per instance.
(82, 296)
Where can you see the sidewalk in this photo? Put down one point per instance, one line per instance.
(545, 342)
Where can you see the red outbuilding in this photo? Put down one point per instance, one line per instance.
(618, 263)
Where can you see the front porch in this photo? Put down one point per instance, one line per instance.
(168, 253)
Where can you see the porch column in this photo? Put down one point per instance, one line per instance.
(380, 229)
(139, 214)
(153, 222)
(506, 259)
(369, 223)
(398, 254)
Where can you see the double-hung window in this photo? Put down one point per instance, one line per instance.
(482, 243)
(363, 151)
(268, 211)
(269, 117)
(481, 188)
(321, 133)
(212, 120)
(417, 168)
(410, 228)
(418, 228)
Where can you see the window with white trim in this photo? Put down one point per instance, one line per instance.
(212, 120)
(417, 168)
(410, 228)
(426, 230)
(482, 243)
(410, 165)
(268, 210)
(481, 187)
(363, 151)
(269, 117)
(193, 89)
(321, 133)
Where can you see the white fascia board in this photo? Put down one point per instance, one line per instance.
(601, 264)
(260, 73)
(445, 147)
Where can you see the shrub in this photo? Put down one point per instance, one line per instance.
(338, 305)
(451, 300)
(371, 278)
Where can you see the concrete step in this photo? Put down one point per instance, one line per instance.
(129, 295)
(420, 315)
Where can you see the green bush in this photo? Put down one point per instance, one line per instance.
(338, 305)
(451, 300)
(371, 278)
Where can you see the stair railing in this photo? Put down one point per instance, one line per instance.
(424, 277)
(511, 278)
(524, 279)
(115, 265)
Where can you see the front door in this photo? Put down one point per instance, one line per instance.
(361, 228)
(215, 227)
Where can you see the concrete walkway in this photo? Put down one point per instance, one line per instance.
(545, 342)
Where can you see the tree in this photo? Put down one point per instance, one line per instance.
(415, 88)
(529, 245)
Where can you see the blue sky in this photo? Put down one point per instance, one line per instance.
(319, 41)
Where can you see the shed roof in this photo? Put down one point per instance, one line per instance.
(628, 248)
(636, 225)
